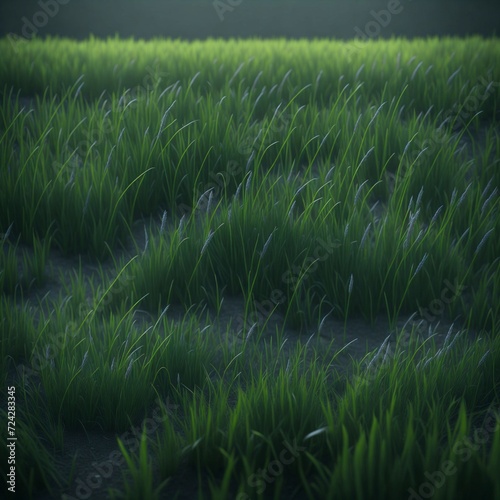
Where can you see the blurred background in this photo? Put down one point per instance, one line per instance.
(201, 19)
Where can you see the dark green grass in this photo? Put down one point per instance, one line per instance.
(310, 180)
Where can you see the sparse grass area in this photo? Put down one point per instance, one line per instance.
(190, 231)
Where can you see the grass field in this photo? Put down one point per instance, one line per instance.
(251, 269)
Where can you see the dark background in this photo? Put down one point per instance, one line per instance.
(198, 19)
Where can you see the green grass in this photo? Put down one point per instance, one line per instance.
(310, 181)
